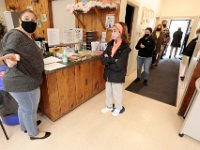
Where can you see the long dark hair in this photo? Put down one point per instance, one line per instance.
(125, 36)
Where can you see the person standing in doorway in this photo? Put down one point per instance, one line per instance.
(158, 36)
(145, 47)
(23, 77)
(186, 38)
(185, 41)
(115, 59)
(176, 42)
(189, 49)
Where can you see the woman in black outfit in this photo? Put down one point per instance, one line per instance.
(145, 47)
(115, 59)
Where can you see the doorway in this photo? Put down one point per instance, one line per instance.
(129, 18)
(184, 24)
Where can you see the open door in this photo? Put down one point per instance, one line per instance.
(129, 18)
(175, 24)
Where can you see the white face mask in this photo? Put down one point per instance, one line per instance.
(115, 35)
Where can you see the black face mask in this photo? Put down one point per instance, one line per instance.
(146, 35)
(158, 29)
(29, 26)
(164, 25)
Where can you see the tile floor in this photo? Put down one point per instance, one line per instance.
(147, 124)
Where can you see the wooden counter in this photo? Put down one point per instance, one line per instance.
(65, 89)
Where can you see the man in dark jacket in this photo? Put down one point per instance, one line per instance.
(176, 42)
(145, 47)
(189, 49)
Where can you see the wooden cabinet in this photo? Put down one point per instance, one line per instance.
(95, 19)
(67, 88)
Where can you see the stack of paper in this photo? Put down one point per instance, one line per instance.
(51, 63)
(51, 59)
(53, 66)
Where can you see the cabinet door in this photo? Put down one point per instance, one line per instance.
(83, 81)
(98, 81)
(58, 93)
(66, 89)
(44, 96)
(52, 104)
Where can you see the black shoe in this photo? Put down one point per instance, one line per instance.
(182, 78)
(122, 110)
(145, 82)
(137, 80)
(169, 57)
(47, 134)
(113, 106)
(38, 122)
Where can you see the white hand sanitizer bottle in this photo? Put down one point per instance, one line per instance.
(64, 55)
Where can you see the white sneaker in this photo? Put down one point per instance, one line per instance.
(116, 112)
(106, 109)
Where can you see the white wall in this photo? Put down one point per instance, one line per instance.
(180, 8)
(2, 9)
(61, 18)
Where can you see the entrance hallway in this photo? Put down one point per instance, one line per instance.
(147, 124)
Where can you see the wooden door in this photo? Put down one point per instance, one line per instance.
(83, 81)
(52, 104)
(66, 89)
(98, 81)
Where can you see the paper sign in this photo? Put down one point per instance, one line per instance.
(43, 17)
(68, 36)
(78, 35)
(110, 20)
(53, 35)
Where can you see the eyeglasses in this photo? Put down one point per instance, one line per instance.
(28, 19)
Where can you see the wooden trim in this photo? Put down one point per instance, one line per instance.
(190, 90)
(99, 16)
(51, 25)
(79, 20)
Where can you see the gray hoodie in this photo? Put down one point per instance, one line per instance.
(27, 74)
